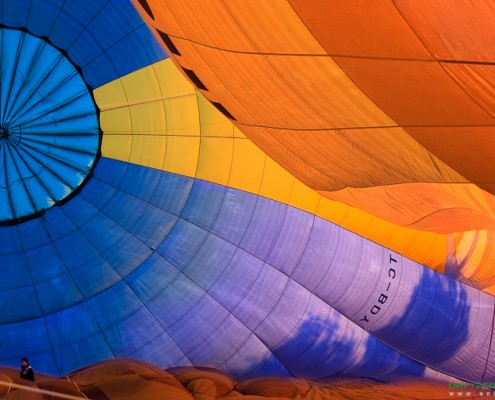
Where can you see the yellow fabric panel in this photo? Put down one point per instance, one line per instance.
(141, 86)
(148, 118)
(148, 150)
(332, 210)
(213, 123)
(115, 121)
(277, 184)
(358, 222)
(117, 147)
(247, 166)
(423, 246)
(172, 83)
(182, 116)
(303, 197)
(110, 96)
(181, 156)
(215, 159)
(238, 133)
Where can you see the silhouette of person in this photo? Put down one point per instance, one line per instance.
(27, 371)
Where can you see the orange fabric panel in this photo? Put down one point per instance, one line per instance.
(476, 145)
(354, 158)
(273, 27)
(414, 92)
(438, 208)
(448, 27)
(477, 80)
(204, 21)
(362, 28)
(320, 83)
(236, 72)
(333, 102)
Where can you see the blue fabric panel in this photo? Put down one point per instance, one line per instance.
(162, 350)
(203, 204)
(84, 352)
(140, 182)
(80, 210)
(254, 360)
(172, 192)
(19, 304)
(94, 277)
(98, 193)
(60, 325)
(232, 221)
(15, 272)
(41, 19)
(176, 300)
(57, 224)
(110, 171)
(76, 250)
(124, 56)
(44, 263)
(309, 344)
(292, 241)
(114, 305)
(182, 243)
(58, 294)
(217, 254)
(318, 254)
(427, 310)
(127, 254)
(204, 318)
(125, 208)
(26, 337)
(285, 316)
(144, 327)
(11, 241)
(153, 226)
(236, 281)
(346, 254)
(102, 232)
(15, 13)
(220, 344)
(262, 298)
(152, 277)
(264, 227)
(153, 47)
